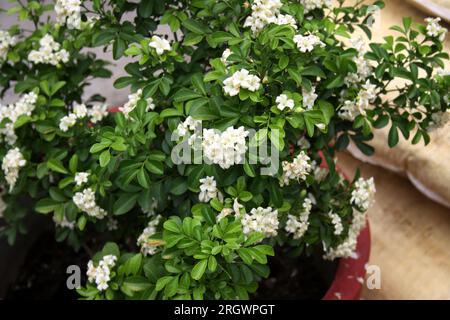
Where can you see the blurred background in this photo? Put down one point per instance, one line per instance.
(410, 222)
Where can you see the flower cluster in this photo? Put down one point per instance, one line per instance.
(309, 98)
(283, 102)
(434, 29)
(353, 108)
(265, 12)
(64, 223)
(228, 211)
(160, 45)
(337, 223)
(6, 41)
(188, 125)
(102, 273)
(11, 164)
(263, 220)
(148, 245)
(364, 68)
(85, 201)
(81, 178)
(311, 5)
(132, 103)
(241, 79)
(24, 106)
(50, 52)
(296, 170)
(96, 113)
(225, 148)
(307, 43)
(363, 196)
(347, 248)
(68, 12)
(208, 190)
(299, 225)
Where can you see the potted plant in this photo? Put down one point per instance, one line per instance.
(221, 164)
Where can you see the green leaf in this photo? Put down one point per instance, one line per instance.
(393, 136)
(185, 94)
(125, 203)
(47, 205)
(195, 26)
(155, 167)
(197, 82)
(73, 163)
(199, 269)
(105, 157)
(143, 178)
(137, 283)
(57, 166)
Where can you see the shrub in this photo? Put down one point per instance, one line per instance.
(226, 146)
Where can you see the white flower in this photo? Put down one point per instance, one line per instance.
(363, 196)
(85, 201)
(439, 72)
(224, 213)
(309, 98)
(50, 52)
(67, 122)
(6, 42)
(311, 5)
(237, 207)
(11, 164)
(265, 12)
(112, 224)
(81, 177)
(283, 102)
(80, 110)
(149, 246)
(225, 148)
(241, 79)
(24, 106)
(434, 30)
(347, 248)
(208, 189)
(160, 45)
(101, 274)
(226, 53)
(337, 223)
(299, 225)
(97, 112)
(189, 125)
(307, 43)
(64, 223)
(263, 220)
(296, 170)
(283, 19)
(68, 12)
(351, 109)
(132, 103)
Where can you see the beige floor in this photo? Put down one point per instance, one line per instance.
(410, 238)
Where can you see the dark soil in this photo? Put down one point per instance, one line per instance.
(297, 278)
(43, 274)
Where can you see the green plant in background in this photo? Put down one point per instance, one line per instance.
(230, 77)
